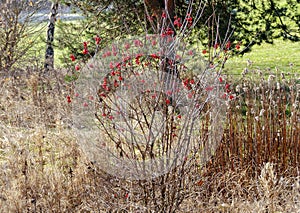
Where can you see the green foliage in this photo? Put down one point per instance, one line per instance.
(265, 20)
(100, 19)
(242, 21)
(71, 78)
(252, 22)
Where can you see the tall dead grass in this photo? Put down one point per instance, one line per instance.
(262, 124)
(255, 168)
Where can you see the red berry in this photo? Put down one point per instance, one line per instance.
(85, 51)
(209, 88)
(72, 57)
(97, 39)
(126, 195)
(228, 45)
(85, 44)
(69, 99)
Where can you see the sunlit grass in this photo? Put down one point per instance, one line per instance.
(279, 55)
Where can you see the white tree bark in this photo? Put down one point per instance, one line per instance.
(49, 56)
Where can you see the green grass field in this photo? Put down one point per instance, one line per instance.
(279, 55)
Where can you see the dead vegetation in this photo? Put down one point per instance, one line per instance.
(43, 169)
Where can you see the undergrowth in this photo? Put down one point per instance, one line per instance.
(255, 168)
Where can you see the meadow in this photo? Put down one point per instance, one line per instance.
(281, 56)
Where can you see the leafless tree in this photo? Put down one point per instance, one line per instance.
(16, 31)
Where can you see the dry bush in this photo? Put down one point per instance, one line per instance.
(18, 33)
(30, 99)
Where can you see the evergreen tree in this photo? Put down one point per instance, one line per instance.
(247, 22)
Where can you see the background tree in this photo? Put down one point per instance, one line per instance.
(49, 56)
(250, 23)
(17, 28)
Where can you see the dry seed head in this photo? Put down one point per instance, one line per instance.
(261, 112)
(278, 85)
(256, 89)
(296, 104)
(268, 177)
(245, 71)
(249, 62)
(245, 89)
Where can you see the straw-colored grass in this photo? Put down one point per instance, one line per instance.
(255, 169)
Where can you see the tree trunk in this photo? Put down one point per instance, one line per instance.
(49, 57)
(157, 7)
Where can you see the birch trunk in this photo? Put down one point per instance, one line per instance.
(49, 57)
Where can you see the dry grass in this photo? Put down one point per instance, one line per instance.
(43, 169)
(235, 191)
